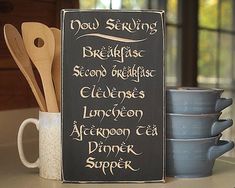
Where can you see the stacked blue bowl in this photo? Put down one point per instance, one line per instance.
(194, 130)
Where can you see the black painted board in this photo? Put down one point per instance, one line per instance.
(113, 112)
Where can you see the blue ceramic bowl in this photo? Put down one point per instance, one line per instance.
(194, 100)
(193, 158)
(195, 125)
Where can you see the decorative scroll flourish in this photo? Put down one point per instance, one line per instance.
(120, 39)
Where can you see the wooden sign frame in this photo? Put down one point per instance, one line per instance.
(113, 96)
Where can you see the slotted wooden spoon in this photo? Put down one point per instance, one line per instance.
(42, 57)
(56, 72)
(17, 49)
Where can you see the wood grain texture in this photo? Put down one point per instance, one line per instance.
(42, 57)
(44, 11)
(18, 96)
(56, 66)
(16, 46)
(25, 10)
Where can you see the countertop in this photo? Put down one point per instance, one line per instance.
(14, 175)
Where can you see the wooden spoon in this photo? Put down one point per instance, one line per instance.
(56, 66)
(42, 57)
(17, 49)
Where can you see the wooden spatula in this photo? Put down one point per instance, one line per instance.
(42, 57)
(17, 49)
(56, 72)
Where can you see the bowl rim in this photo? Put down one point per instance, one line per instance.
(194, 139)
(193, 115)
(192, 89)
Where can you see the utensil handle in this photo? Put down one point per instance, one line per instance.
(49, 91)
(220, 126)
(20, 143)
(37, 94)
(222, 147)
(222, 103)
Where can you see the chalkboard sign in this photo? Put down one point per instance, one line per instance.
(113, 96)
